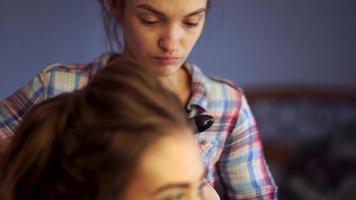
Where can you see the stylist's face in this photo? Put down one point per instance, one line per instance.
(160, 34)
(170, 169)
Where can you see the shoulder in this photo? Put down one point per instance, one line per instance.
(59, 77)
(219, 88)
(91, 67)
(226, 85)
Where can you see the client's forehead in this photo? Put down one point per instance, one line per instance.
(174, 158)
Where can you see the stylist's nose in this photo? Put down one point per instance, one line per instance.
(170, 39)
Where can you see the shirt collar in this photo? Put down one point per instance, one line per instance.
(103, 59)
(199, 97)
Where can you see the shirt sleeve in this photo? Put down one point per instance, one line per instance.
(243, 168)
(14, 107)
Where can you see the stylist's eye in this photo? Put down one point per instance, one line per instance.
(191, 24)
(192, 21)
(149, 22)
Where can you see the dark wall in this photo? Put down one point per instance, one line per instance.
(253, 43)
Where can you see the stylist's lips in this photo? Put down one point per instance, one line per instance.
(168, 60)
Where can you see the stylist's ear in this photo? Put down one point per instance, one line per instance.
(116, 8)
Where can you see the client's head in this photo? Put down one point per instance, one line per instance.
(123, 137)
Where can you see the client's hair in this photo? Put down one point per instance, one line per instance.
(86, 144)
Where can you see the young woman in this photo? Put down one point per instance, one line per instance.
(121, 137)
(159, 35)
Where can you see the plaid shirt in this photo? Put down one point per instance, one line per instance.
(231, 148)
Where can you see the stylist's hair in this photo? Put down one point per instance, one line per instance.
(111, 11)
(87, 144)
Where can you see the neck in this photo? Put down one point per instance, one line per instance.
(179, 84)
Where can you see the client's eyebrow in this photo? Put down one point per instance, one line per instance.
(177, 185)
(171, 186)
(157, 12)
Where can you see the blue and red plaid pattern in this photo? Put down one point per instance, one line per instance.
(231, 148)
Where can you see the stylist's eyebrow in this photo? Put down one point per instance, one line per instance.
(177, 185)
(157, 12)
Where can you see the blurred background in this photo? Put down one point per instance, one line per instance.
(296, 61)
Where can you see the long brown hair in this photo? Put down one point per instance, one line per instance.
(86, 144)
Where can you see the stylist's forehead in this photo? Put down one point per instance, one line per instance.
(169, 8)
